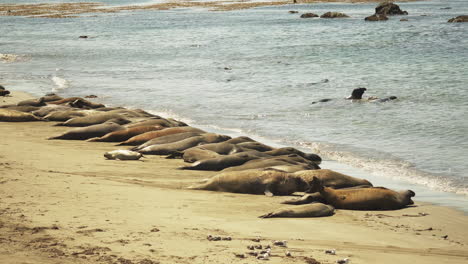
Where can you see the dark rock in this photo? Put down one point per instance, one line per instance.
(83, 37)
(4, 92)
(333, 15)
(293, 12)
(309, 15)
(376, 17)
(389, 9)
(403, 19)
(458, 19)
(446, 8)
(2, 88)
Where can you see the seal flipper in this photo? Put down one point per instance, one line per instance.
(175, 155)
(268, 192)
(268, 215)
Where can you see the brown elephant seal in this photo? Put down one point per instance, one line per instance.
(373, 198)
(167, 149)
(255, 146)
(83, 133)
(152, 122)
(332, 178)
(24, 108)
(308, 210)
(289, 150)
(287, 167)
(240, 139)
(122, 135)
(77, 102)
(167, 139)
(223, 161)
(140, 139)
(306, 199)
(32, 102)
(7, 115)
(122, 154)
(45, 110)
(94, 120)
(254, 182)
(274, 161)
(51, 97)
(63, 116)
(209, 151)
(4, 92)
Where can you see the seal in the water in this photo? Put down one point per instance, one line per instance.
(373, 198)
(308, 210)
(254, 182)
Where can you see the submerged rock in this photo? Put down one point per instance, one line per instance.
(376, 17)
(333, 15)
(389, 9)
(458, 19)
(308, 15)
(293, 12)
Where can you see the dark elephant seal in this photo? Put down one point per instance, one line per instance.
(4, 92)
(167, 139)
(373, 198)
(122, 135)
(32, 102)
(140, 139)
(63, 116)
(254, 182)
(7, 115)
(94, 119)
(289, 150)
(84, 133)
(308, 210)
(274, 161)
(223, 161)
(332, 178)
(166, 149)
(255, 146)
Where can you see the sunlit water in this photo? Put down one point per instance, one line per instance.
(257, 72)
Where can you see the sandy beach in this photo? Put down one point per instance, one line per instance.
(63, 202)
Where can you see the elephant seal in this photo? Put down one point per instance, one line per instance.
(51, 97)
(240, 139)
(167, 139)
(357, 93)
(167, 149)
(77, 102)
(332, 178)
(45, 110)
(274, 161)
(32, 102)
(289, 150)
(223, 161)
(122, 135)
(94, 120)
(255, 146)
(7, 115)
(308, 210)
(142, 138)
(373, 198)
(152, 122)
(254, 182)
(290, 167)
(306, 199)
(24, 108)
(209, 151)
(83, 133)
(63, 116)
(4, 92)
(122, 154)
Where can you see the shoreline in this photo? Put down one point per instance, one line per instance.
(62, 202)
(76, 9)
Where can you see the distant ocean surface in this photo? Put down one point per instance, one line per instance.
(256, 72)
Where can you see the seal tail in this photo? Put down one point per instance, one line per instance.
(269, 215)
(95, 139)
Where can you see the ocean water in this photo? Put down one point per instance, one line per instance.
(256, 72)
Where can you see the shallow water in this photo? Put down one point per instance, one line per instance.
(258, 71)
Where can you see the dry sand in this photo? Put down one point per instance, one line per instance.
(62, 202)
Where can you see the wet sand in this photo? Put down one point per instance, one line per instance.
(68, 10)
(62, 202)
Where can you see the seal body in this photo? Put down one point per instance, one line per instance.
(122, 154)
(308, 210)
(254, 182)
(332, 178)
(62, 116)
(83, 133)
(167, 139)
(287, 160)
(7, 115)
(142, 138)
(121, 135)
(94, 119)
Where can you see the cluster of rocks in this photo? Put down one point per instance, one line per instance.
(382, 12)
(3, 91)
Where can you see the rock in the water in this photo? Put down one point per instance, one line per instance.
(308, 15)
(403, 20)
(376, 17)
(333, 15)
(457, 19)
(389, 9)
(293, 12)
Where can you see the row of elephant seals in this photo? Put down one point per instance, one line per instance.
(142, 138)
(373, 198)
(7, 115)
(254, 182)
(122, 135)
(308, 210)
(83, 133)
